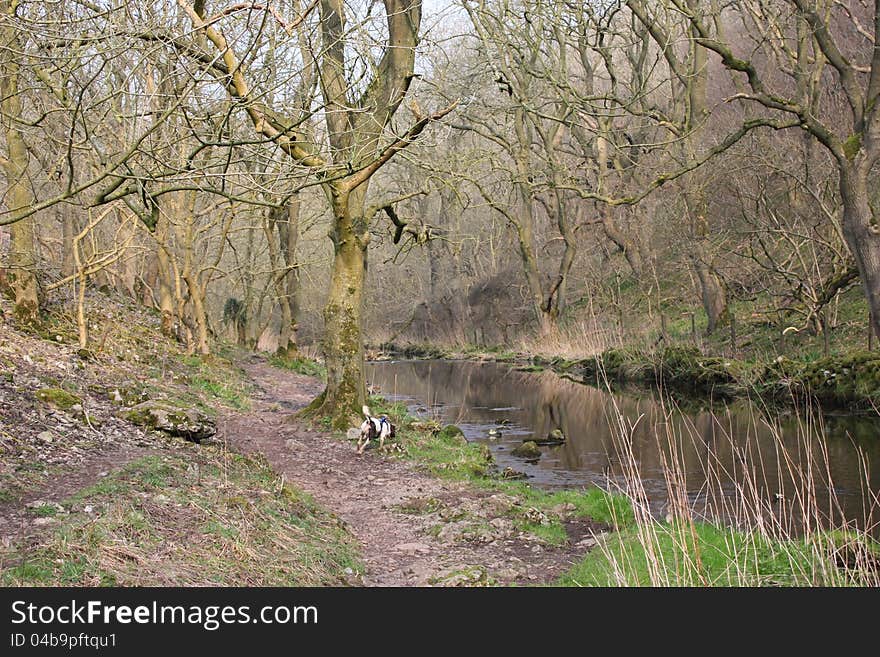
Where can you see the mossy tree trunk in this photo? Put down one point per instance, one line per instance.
(342, 345)
(356, 114)
(21, 272)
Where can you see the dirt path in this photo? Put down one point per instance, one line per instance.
(448, 533)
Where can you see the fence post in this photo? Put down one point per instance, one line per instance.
(694, 328)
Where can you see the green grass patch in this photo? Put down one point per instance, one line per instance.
(217, 379)
(701, 554)
(300, 365)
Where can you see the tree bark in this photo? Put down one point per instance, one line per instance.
(861, 233)
(22, 261)
(288, 234)
(165, 276)
(342, 345)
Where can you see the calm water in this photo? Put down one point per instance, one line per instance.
(722, 452)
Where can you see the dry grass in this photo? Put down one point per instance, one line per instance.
(570, 342)
(737, 530)
(198, 517)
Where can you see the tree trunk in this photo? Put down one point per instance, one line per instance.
(165, 276)
(342, 345)
(68, 230)
(628, 247)
(288, 234)
(861, 234)
(22, 261)
(200, 317)
(713, 295)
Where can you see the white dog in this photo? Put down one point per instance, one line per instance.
(374, 428)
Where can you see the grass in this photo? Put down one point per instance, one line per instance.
(704, 554)
(300, 365)
(194, 518)
(218, 379)
(738, 540)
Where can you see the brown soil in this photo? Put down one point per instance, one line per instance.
(447, 532)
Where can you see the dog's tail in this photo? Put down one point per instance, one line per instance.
(366, 412)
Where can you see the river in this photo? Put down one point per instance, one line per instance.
(729, 459)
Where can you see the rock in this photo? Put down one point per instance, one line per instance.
(43, 504)
(291, 445)
(189, 423)
(427, 426)
(494, 434)
(353, 434)
(536, 516)
(45, 437)
(555, 437)
(58, 398)
(452, 433)
(564, 509)
(510, 473)
(528, 450)
(467, 576)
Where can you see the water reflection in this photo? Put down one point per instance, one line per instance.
(719, 453)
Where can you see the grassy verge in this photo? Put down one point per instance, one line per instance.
(686, 553)
(195, 517)
(300, 365)
(217, 379)
(445, 452)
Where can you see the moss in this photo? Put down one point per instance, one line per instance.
(852, 145)
(850, 380)
(451, 433)
(58, 398)
(528, 450)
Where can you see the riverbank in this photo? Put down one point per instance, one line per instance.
(849, 381)
(638, 549)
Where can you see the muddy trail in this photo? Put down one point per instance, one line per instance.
(414, 529)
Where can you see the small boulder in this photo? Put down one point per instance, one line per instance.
(58, 398)
(555, 437)
(161, 415)
(452, 433)
(510, 473)
(528, 450)
(45, 437)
